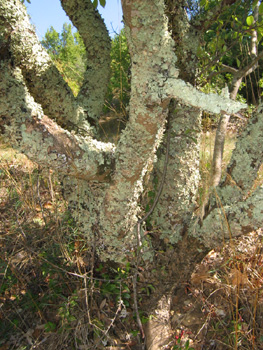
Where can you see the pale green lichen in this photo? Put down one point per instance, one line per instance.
(43, 79)
(212, 103)
(174, 209)
(97, 42)
(47, 144)
(230, 221)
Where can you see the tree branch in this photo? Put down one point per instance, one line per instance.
(43, 80)
(246, 160)
(212, 103)
(149, 43)
(249, 68)
(226, 68)
(26, 128)
(226, 222)
(97, 42)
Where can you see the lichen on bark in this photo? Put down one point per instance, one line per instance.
(25, 126)
(97, 43)
(152, 60)
(245, 162)
(178, 199)
(235, 207)
(111, 208)
(44, 81)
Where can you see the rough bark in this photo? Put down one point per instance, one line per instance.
(219, 150)
(103, 185)
(178, 200)
(186, 39)
(234, 209)
(25, 126)
(44, 81)
(154, 84)
(182, 91)
(175, 206)
(246, 159)
(254, 35)
(138, 143)
(97, 43)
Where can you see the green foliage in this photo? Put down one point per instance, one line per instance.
(50, 327)
(102, 3)
(119, 86)
(66, 311)
(226, 40)
(68, 52)
(250, 20)
(148, 289)
(180, 346)
(114, 283)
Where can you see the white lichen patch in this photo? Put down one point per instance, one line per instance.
(43, 79)
(176, 88)
(231, 220)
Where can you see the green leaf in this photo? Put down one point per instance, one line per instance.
(95, 3)
(50, 327)
(260, 9)
(102, 3)
(238, 62)
(250, 20)
(151, 194)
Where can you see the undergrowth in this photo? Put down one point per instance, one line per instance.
(54, 290)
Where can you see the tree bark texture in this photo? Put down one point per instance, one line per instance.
(103, 183)
(37, 99)
(178, 200)
(97, 43)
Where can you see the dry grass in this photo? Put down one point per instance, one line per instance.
(228, 285)
(47, 296)
(48, 299)
(206, 158)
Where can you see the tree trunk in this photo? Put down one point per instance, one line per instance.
(103, 183)
(178, 200)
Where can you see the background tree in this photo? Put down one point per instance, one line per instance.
(229, 54)
(67, 50)
(119, 86)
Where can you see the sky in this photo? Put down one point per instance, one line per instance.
(47, 13)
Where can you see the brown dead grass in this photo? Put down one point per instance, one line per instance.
(47, 296)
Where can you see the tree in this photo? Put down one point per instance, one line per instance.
(230, 49)
(104, 183)
(119, 86)
(68, 52)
